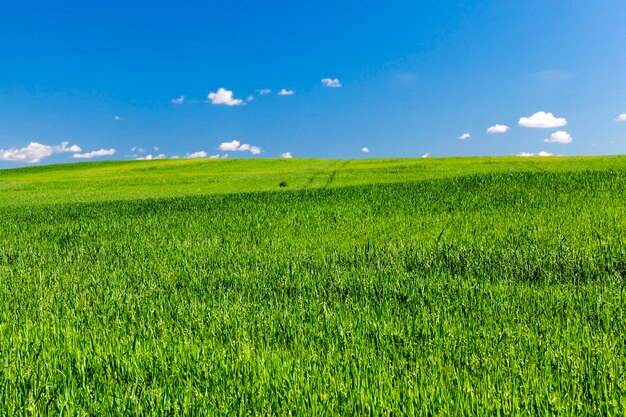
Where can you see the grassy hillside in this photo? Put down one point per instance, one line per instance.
(117, 180)
(469, 286)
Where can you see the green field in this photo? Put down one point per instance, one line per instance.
(455, 286)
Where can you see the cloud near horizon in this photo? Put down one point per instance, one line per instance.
(236, 146)
(541, 153)
(286, 155)
(196, 155)
(151, 157)
(559, 137)
(365, 149)
(225, 97)
(35, 152)
(542, 120)
(93, 154)
(137, 149)
(496, 129)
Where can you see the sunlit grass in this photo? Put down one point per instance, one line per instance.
(123, 180)
(477, 286)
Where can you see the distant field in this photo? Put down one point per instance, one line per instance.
(456, 286)
(116, 180)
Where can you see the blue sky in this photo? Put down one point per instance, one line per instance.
(414, 76)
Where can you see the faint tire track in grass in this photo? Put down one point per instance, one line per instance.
(332, 175)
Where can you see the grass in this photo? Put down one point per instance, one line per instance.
(116, 180)
(461, 286)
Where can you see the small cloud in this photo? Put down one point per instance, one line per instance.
(93, 154)
(250, 99)
(465, 136)
(137, 149)
(495, 129)
(156, 148)
(196, 155)
(179, 100)
(286, 155)
(542, 153)
(365, 149)
(236, 146)
(284, 92)
(621, 118)
(150, 157)
(224, 96)
(230, 146)
(542, 120)
(264, 91)
(559, 137)
(35, 152)
(426, 155)
(331, 82)
(118, 118)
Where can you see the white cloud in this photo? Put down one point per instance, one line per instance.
(179, 100)
(465, 136)
(137, 149)
(118, 118)
(331, 82)
(250, 99)
(35, 152)
(284, 92)
(224, 96)
(286, 155)
(365, 149)
(230, 146)
(196, 155)
(264, 91)
(498, 129)
(236, 146)
(426, 155)
(559, 137)
(542, 153)
(621, 118)
(542, 120)
(150, 157)
(92, 154)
